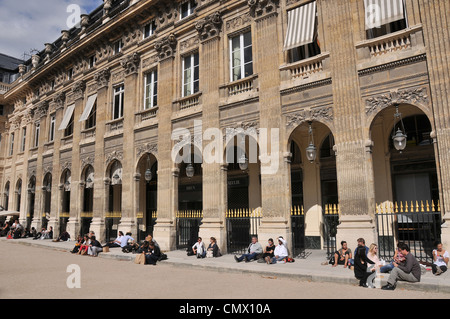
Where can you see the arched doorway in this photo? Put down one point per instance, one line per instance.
(243, 190)
(47, 196)
(406, 181)
(313, 186)
(18, 194)
(31, 199)
(88, 199)
(147, 194)
(66, 179)
(114, 214)
(6, 196)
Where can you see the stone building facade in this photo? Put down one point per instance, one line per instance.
(88, 141)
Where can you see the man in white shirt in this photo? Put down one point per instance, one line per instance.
(117, 242)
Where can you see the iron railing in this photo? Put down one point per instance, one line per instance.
(242, 224)
(150, 224)
(330, 224)
(112, 220)
(188, 226)
(298, 230)
(417, 224)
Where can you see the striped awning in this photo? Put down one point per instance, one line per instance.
(67, 116)
(381, 12)
(88, 108)
(301, 26)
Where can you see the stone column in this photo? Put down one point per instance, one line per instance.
(165, 228)
(40, 115)
(55, 206)
(128, 221)
(73, 225)
(274, 174)
(434, 14)
(214, 182)
(353, 163)
(100, 187)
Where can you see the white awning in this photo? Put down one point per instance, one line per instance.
(88, 108)
(67, 117)
(381, 12)
(301, 26)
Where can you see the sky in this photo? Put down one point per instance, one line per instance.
(29, 24)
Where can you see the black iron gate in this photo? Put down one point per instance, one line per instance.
(242, 225)
(298, 230)
(188, 226)
(330, 224)
(416, 224)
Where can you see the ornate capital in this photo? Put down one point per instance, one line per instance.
(102, 78)
(210, 26)
(166, 47)
(259, 8)
(41, 110)
(130, 63)
(59, 100)
(78, 90)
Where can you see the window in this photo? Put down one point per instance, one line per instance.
(37, 130)
(1, 110)
(118, 102)
(70, 74)
(301, 40)
(52, 85)
(384, 16)
(241, 56)
(118, 46)
(149, 29)
(190, 74)
(91, 121)
(24, 138)
(151, 90)
(187, 8)
(92, 61)
(11, 144)
(51, 135)
(69, 129)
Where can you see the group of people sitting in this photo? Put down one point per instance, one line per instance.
(404, 266)
(148, 250)
(15, 230)
(271, 254)
(199, 249)
(87, 245)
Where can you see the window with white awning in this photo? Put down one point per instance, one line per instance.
(88, 108)
(67, 116)
(384, 16)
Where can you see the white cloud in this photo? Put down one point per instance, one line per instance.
(28, 24)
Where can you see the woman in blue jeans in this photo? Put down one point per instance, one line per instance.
(398, 258)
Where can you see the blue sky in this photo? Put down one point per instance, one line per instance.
(28, 24)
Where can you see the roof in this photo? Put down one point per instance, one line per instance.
(8, 62)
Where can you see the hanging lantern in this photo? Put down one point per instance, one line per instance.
(190, 170)
(311, 150)
(399, 138)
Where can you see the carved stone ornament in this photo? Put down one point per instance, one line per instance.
(102, 78)
(130, 63)
(114, 155)
(59, 100)
(78, 90)
(147, 148)
(166, 47)
(41, 110)
(210, 26)
(322, 114)
(409, 96)
(259, 8)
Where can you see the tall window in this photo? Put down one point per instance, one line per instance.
(37, 131)
(11, 144)
(190, 74)
(70, 74)
(69, 129)
(91, 121)
(92, 61)
(24, 138)
(149, 29)
(151, 90)
(51, 134)
(118, 102)
(241, 56)
(384, 17)
(187, 8)
(118, 46)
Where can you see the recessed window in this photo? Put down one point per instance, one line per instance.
(149, 29)
(69, 129)
(24, 139)
(70, 74)
(151, 90)
(187, 8)
(241, 56)
(118, 102)
(51, 133)
(37, 131)
(191, 74)
(383, 17)
(118, 46)
(92, 61)
(11, 144)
